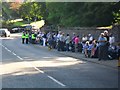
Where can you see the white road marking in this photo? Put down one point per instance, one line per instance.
(48, 76)
(56, 81)
(5, 48)
(19, 57)
(2, 45)
(36, 68)
(14, 54)
(9, 51)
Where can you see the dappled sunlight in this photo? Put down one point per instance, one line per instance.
(38, 24)
(17, 68)
(28, 67)
(25, 73)
(53, 63)
(57, 62)
(107, 27)
(6, 38)
(66, 59)
(16, 20)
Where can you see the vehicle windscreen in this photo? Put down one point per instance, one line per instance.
(2, 31)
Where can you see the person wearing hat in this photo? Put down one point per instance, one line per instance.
(101, 46)
(106, 34)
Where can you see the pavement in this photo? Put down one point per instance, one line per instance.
(109, 63)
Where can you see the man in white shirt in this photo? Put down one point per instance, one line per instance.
(111, 39)
(58, 41)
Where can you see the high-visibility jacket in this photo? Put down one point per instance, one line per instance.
(27, 35)
(23, 35)
(33, 36)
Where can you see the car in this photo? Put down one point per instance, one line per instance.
(14, 30)
(28, 27)
(4, 32)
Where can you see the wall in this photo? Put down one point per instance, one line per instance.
(94, 31)
(115, 30)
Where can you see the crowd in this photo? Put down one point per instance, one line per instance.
(102, 48)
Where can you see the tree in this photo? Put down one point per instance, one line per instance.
(82, 13)
(10, 10)
(116, 12)
(32, 10)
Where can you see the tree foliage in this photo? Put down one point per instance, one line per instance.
(10, 10)
(83, 13)
(32, 10)
(66, 13)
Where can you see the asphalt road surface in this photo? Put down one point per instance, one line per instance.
(33, 66)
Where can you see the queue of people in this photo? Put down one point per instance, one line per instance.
(102, 48)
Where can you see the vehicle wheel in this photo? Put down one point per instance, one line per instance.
(5, 35)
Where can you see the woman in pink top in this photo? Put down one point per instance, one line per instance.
(76, 43)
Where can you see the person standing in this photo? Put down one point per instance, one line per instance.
(106, 35)
(101, 46)
(67, 42)
(58, 41)
(111, 39)
(73, 38)
(77, 40)
(27, 37)
(62, 42)
(44, 39)
(23, 37)
(49, 40)
(33, 38)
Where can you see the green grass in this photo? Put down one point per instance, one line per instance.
(24, 23)
(19, 23)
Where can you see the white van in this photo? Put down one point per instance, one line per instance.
(4, 32)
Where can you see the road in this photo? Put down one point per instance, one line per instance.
(33, 66)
